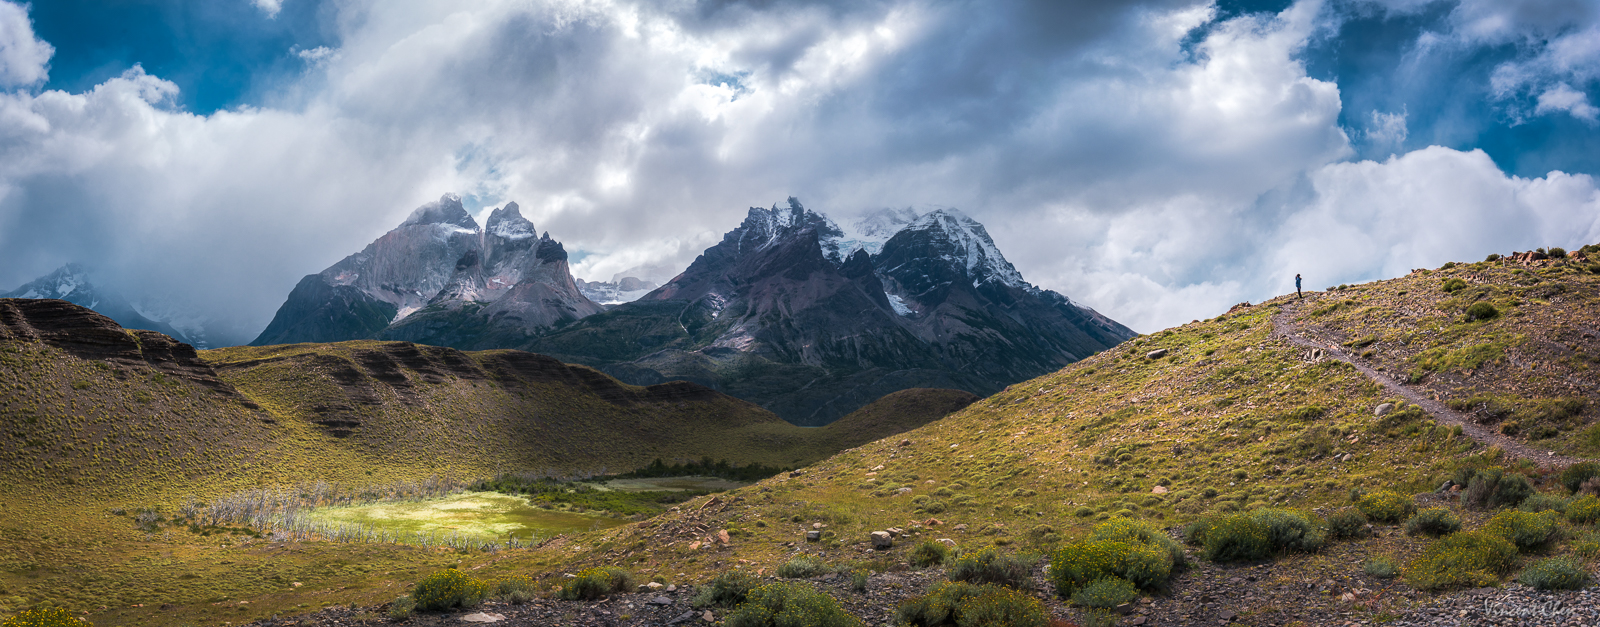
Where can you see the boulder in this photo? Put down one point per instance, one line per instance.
(1160, 489)
(722, 537)
(882, 540)
(661, 601)
(1380, 410)
(482, 617)
(813, 536)
(1156, 354)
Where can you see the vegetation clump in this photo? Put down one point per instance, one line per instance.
(1493, 488)
(1434, 521)
(991, 566)
(1386, 506)
(594, 583)
(1572, 477)
(446, 589)
(1527, 530)
(1556, 573)
(961, 604)
(1453, 284)
(802, 567)
(1105, 593)
(515, 590)
(786, 604)
(728, 589)
(1147, 564)
(1382, 567)
(1348, 524)
(1583, 510)
(1481, 311)
(929, 553)
(1470, 559)
(45, 617)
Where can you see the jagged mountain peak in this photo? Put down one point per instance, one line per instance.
(507, 222)
(447, 210)
(762, 227)
(964, 242)
(69, 278)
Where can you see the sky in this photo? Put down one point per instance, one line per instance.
(1157, 160)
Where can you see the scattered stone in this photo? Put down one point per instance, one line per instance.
(796, 473)
(948, 541)
(882, 540)
(694, 546)
(722, 537)
(1160, 489)
(818, 526)
(877, 468)
(483, 617)
(905, 443)
(813, 536)
(654, 585)
(932, 522)
(708, 617)
(672, 588)
(1383, 409)
(1156, 354)
(661, 601)
(961, 527)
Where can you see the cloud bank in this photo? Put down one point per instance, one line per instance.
(1153, 159)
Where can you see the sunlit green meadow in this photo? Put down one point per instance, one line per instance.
(480, 515)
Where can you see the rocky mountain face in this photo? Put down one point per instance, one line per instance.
(811, 320)
(73, 283)
(616, 291)
(438, 279)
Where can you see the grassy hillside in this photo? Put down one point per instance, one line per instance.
(106, 435)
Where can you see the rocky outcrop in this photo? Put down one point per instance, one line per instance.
(73, 283)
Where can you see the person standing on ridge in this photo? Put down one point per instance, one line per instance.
(1297, 293)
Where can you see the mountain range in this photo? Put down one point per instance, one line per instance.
(75, 284)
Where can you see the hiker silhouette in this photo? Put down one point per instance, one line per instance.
(1297, 293)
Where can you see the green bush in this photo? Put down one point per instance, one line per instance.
(1492, 257)
(594, 583)
(447, 589)
(1236, 538)
(1386, 506)
(1482, 311)
(1572, 477)
(45, 617)
(515, 590)
(1492, 488)
(1139, 532)
(1584, 510)
(1469, 559)
(1348, 524)
(1105, 593)
(961, 604)
(1556, 573)
(1434, 521)
(1528, 531)
(991, 566)
(1289, 530)
(801, 567)
(1382, 567)
(728, 589)
(790, 604)
(1540, 502)
(858, 579)
(402, 607)
(1454, 285)
(929, 553)
(1075, 565)
(1556, 252)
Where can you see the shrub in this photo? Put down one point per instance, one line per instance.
(929, 553)
(1382, 567)
(858, 580)
(1572, 477)
(1140, 532)
(1528, 531)
(1454, 284)
(991, 566)
(783, 604)
(1541, 502)
(1386, 506)
(1584, 510)
(45, 617)
(1492, 257)
(1492, 488)
(802, 566)
(1348, 524)
(1289, 530)
(594, 583)
(1467, 559)
(1075, 565)
(1434, 521)
(515, 590)
(1105, 593)
(447, 589)
(1556, 253)
(402, 607)
(1481, 311)
(1236, 538)
(962, 604)
(727, 589)
(1556, 573)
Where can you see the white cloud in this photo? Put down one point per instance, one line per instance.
(1563, 97)
(1386, 131)
(24, 58)
(1153, 177)
(269, 7)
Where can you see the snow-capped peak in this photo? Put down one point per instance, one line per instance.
(972, 247)
(868, 233)
(447, 211)
(507, 222)
(762, 227)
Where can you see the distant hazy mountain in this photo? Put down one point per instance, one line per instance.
(73, 283)
(812, 321)
(438, 279)
(618, 291)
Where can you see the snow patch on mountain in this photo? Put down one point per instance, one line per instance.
(899, 304)
(974, 247)
(868, 233)
(507, 222)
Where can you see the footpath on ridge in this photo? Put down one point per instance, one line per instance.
(1284, 327)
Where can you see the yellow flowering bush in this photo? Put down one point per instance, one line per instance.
(45, 617)
(447, 589)
(1463, 560)
(784, 604)
(961, 604)
(594, 583)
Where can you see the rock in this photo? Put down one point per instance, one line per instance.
(1445, 487)
(877, 468)
(708, 617)
(796, 473)
(1125, 608)
(1160, 489)
(948, 542)
(1156, 354)
(932, 522)
(1380, 410)
(661, 601)
(722, 537)
(813, 536)
(1137, 620)
(905, 443)
(818, 526)
(643, 587)
(694, 546)
(882, 540)
(482, 617)
(654, 585)
(686, 616)
(672, 588)
(961, 527)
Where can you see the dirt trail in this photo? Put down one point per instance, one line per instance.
(1283, 327)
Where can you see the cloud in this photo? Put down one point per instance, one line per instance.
(24, 58)
(1150, 159)
(269, 7)
(1386, 131)
(1563, 97)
